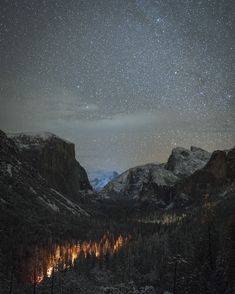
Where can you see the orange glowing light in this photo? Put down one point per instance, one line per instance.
(64, 256)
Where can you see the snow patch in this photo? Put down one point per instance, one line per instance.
(74, 208)
(3, 201)
(53, 207)
(27, 139)
(49, 204)
(31, 189)
(9, 169)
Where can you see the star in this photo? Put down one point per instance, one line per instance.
(124, 80)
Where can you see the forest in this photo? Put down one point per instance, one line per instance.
(184, 251)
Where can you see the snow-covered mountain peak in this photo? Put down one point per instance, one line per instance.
(101, 178)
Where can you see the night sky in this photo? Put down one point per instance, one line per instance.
(126, 81)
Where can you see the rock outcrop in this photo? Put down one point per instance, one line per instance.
(217, 174)
(55, 160)
(230, 164)
(183, 162)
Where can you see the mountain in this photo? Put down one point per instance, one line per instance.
(217, 176)
(100, 178)
(183, 162)
(54, 158)
(23, 190)
(155, 183)
(28, 203)
(32, 212)
(190, 240)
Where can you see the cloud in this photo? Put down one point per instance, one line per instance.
(132, 120)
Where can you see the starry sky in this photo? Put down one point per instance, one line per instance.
(126, 81)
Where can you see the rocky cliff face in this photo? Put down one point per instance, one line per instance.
(183, 162)
(230, 165)
(183, 180)
(54, 158)
(218, 175)
(142, 183)
(156, 182)
(24, 193)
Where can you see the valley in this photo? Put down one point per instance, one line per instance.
(157, 228)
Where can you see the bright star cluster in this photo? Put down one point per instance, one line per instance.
(125, 80)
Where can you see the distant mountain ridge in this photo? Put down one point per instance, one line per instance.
(43, 167)
(100, 178)
(186, 174)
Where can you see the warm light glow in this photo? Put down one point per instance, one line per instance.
(64, 256)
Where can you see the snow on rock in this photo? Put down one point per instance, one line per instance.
(184, 162)
(3, 201)
(136, 181)
(27, 139)
(49, 204)
(24, 189)
(129, 288)
(54, 159)
(9, 169)
(32, 190)
(68, 204)
(154, 181)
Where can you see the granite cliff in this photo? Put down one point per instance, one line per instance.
(24, 192)
(155, 183)
(217, 176)
(55, 160)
